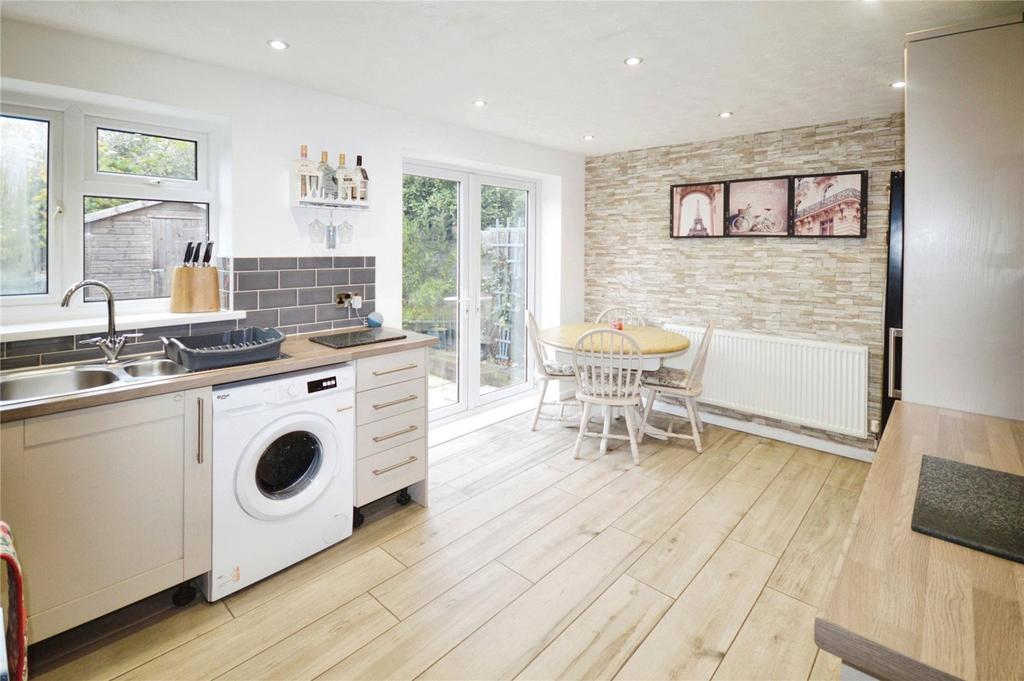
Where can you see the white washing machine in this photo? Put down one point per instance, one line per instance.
(282, 473)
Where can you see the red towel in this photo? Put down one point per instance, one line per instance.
(17, 625)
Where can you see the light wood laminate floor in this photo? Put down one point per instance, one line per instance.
(532, 565)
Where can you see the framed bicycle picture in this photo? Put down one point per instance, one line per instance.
(831, 204)
(758, 207)
(697, 210)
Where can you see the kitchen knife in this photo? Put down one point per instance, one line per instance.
(188, 254)
(199, 252)
(208, 254)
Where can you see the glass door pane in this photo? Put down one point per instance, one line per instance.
(430, 278)
(503, 275)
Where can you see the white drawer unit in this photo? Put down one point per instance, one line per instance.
(396, 468)
(374, 372)
(379, 436)
(380, 403)
(391, 428)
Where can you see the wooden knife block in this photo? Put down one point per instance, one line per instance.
(195, 289)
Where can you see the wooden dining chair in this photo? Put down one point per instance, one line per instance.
(628, 315)
(683, 383)
(608, 366)
(546, 370)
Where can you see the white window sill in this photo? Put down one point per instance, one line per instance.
(124, 322)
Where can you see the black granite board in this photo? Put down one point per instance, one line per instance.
(351, 339)
(975, 507)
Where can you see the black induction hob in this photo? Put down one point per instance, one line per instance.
(350, 339)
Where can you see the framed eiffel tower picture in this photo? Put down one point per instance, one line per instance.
(697, 210)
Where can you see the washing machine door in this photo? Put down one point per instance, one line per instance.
(287, 466)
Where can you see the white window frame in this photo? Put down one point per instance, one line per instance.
(73, 151)
(54, 208)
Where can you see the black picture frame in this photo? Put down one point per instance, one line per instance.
(836, 200)
(785, 215)
(697, 187)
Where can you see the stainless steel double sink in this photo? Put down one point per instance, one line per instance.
(34, 384)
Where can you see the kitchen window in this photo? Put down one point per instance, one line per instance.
(136, 187)
(29, 175)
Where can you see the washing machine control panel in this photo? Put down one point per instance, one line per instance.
(315, 386)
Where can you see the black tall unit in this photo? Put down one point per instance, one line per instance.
(893, 355)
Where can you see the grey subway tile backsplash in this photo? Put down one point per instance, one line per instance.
(298, 278)
(247, 300)
(297, 315)
(323, 262)
(278, 298)
(328, 313)
(262, 318)
(40, 346)
(319, 326)
(278, 263)
(362, 276)
(295, 295)
(312, 296)
(331, 277)
(253, 281)
(9, 363)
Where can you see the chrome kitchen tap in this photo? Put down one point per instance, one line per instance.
(112, 344)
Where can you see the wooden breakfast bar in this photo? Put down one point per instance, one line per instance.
(909, 606)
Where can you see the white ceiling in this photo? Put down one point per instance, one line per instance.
(552, 71)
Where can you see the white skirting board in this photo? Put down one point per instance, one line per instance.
(780, 434)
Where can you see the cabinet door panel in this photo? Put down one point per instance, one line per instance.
(98, 516)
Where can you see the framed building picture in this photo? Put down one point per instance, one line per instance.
(697, 210)
(831, 204)
(757, 207)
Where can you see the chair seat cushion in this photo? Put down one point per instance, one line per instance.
(666, 377)
(559, 368)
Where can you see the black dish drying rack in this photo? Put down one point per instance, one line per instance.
(230, 348)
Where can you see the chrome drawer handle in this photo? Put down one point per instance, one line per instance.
(382, 471)
(385, 405)
(395, 371)
(340, 409)
(381, 438)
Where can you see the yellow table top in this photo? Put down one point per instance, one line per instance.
(652, 340)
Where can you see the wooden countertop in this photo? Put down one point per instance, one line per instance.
(907, 606)
(302, 354)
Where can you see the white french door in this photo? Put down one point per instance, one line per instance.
(467, 279)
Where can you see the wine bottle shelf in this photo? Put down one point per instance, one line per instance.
(332, 203)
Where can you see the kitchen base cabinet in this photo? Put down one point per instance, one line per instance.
(391, 430)
(108, 504)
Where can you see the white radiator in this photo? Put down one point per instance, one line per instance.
(811, 383)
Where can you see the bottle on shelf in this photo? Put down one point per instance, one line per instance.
(305, 170)
(346, 181)
(328, 181)
(362, 179)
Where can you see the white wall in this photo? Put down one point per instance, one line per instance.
(963, 289)
(269, 119)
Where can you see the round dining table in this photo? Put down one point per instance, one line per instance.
(656, 344)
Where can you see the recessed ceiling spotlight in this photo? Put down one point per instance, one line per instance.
(633, 61)
(278, 44)
(479, 103)
(898, 84)
(725, 114)
(588, 137)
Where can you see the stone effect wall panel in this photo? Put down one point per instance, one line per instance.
(825, 289)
